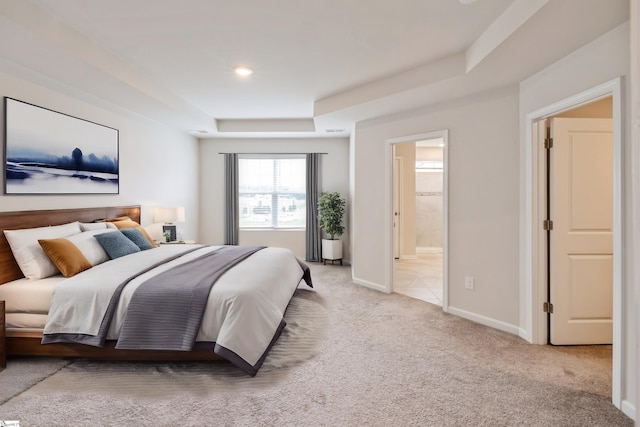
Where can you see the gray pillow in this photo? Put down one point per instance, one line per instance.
(137, 237)
(116, 244)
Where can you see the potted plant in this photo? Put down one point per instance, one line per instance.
(330, 213)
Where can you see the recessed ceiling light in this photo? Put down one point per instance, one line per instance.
(241, 70)
(467, 1)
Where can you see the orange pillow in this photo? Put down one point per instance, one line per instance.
(65, 256)
(120, 218)
(132, 224)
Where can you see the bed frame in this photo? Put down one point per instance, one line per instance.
(28, 343)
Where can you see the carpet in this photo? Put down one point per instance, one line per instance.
(378, 360)
(26, 373)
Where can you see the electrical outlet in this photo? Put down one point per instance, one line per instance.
(468, 282)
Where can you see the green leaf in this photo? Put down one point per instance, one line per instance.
(330, 211)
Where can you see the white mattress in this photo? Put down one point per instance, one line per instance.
(22, 321)
(28, 296)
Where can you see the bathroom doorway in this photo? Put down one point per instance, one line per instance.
(418, 215)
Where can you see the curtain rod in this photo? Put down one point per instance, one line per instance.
(271, 153)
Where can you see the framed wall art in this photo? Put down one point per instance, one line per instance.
(47, 152)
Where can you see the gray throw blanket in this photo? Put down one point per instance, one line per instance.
(165, 312)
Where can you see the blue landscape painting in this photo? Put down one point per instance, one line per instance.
(52, 153)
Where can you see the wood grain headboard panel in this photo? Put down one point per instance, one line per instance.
(9, 270)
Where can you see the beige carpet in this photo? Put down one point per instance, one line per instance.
(351, 357)
(26, 372)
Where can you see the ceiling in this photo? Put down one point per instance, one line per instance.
(319, 65)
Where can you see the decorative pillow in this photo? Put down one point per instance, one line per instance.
(125, 223)
(136, 236)
(30, 257)
(89, 246)
(65, 256)
(132, 224)
(90, 226)
(120, 218)
(116, 245)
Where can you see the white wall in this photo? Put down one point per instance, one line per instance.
(429, 203)
(483, 200)
(158, 164)
(602, 60)
(334, 177)
(429, 200)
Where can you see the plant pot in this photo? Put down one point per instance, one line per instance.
(331, 249)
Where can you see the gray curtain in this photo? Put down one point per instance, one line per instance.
(231, 220)
(314, 238)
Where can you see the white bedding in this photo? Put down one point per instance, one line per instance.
(244, 310)
(29, 296)
(25, 322)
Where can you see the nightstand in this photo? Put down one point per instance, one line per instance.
(179, 242)
(3, 347)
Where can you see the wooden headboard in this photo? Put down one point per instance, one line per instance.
(9, 270)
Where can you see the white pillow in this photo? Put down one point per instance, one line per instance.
(31, 259)
(89, 246)
(90, 226)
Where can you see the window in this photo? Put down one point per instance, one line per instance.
(422, 165)
(272, 192)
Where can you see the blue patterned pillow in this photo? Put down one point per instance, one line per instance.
(137, 237)
(116, 244)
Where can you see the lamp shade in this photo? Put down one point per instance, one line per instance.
(168, 215)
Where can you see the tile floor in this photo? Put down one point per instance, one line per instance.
(419, 278)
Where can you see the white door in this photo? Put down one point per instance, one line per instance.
(581, 242)
(397, 188)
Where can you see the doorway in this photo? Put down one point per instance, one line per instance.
(417, 215)
(535, 266)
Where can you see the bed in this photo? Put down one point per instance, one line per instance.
(112, 309)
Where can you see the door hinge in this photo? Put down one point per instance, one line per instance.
(548, 143)
(547, 307)
(547, 225)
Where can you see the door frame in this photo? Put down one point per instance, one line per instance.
(535, 326)
(389, 159)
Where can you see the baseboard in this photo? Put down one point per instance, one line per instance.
(525, 335)
(429, 250)
(487, 321)
(629, 409)
(344, 262)
(370, 285)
